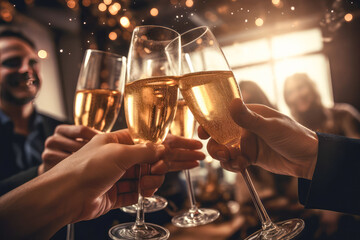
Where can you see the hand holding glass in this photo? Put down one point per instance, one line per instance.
(208, 88)
(99, 93)
(151, 96)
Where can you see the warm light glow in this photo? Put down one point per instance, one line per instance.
(6, 15)
(259, 22)
(295, 43)
(113, 36)
(275, 2)
(154, 12)
(107, 2)
(86, 3)
(173, 2)
(125, 22)
(113, 10)
(42, 54)
(71, 3)
(117, 6)
(211, 16)
(223, 9)
(102, 7)
(189, 3)
(348, 17)
(111, 22)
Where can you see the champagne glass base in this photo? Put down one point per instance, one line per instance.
(151, 204)
(282, 230)
(201, 216)
(125, 231)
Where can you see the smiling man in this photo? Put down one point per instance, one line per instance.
(23, 130)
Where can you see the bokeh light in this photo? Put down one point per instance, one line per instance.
(154, 12)
(113, 10)
(86, 3)
(125, 22)
(277, 3)
(6, 15)
(107, 2)
(348, 17)
(102, 7)
(259, 22)
(189, 3)
(42, 54)
(113, 36)
(71, 3)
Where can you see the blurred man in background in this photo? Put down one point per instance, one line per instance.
(23, 129)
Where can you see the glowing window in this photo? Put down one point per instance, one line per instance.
(269, 61)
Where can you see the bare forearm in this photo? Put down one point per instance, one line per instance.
(35, 210)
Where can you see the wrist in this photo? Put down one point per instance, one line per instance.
(310, 165)
(39, 202)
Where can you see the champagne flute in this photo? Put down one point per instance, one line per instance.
(150, 99)
(184, 125)
(99, 94)
(208, 87)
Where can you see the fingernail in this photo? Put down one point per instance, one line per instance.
(222, 155)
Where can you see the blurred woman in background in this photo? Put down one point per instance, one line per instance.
(304, 102)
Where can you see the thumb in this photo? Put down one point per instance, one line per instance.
(138, 154)
(244, 117)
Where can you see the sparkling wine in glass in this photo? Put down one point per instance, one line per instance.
(184, 125)
(208, 87)
(99, 94)
(150, 102)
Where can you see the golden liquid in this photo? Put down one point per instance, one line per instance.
(150, 106)
(184, 122)
(208, 95)
(97, 108)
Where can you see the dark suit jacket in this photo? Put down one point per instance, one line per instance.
(336, 181)
(13, 170)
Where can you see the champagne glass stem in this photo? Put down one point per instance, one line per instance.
(190, 190)
(266, 222)
(70, 232)
(140, 212)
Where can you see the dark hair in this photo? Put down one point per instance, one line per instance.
(256, 95)
(18, 35)
(306, 80)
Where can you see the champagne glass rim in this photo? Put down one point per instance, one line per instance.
(106, 53)
(157, 26)
(205, 28)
